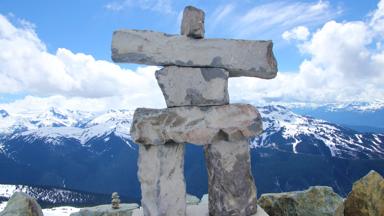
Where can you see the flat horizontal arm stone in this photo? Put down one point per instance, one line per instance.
(196, 125)
(239, 57)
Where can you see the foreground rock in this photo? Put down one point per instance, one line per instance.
(366, 197)
(315, 201)
(192, 24)
(202, 210)
(239, 57)
(20, 204)
(106, 210)
(199, 209)
(231, 188)
(197, 125)
(193, 86)
(161, 174)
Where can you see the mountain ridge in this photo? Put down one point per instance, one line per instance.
(93, 152)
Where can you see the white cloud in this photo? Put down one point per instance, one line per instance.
(83, 104)
(162, 6)
(27, 66)
(342, 67)
(220, 14)
(377, 18)
(297, 33)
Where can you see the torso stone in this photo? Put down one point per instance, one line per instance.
(193, 86)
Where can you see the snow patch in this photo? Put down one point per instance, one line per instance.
(60, 211)
(295, 129)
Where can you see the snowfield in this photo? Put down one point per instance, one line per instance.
(59, 211)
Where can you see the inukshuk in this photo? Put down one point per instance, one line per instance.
(194, 83)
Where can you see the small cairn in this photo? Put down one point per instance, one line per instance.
(115, 200)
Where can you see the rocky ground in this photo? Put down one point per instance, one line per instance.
(365, 199)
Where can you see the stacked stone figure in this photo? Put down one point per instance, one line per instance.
(194, 82)
(115, 200)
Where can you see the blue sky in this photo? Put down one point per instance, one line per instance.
(325, 50)
(86, 26)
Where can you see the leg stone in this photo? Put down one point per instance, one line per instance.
(231, 188)
(162, 179)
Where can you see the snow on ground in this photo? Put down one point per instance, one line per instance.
(7, 190)
(58, 211)
(2, 205)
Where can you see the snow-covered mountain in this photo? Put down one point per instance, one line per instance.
(51, 196)
(93, 152)
(287, 131)
(55, 124)
(284, 130)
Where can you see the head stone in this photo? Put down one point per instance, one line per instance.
(192, 24)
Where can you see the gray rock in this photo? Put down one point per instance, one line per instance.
(239, 57)
(106, 210)
(231, 188)
(204, 199)
(138, 212)
(21, 204)
(339, 210)
(260, 212)
(182, 86)
(161, 174)
(197, 125)
(202, 210)
(315, 201)
(199, 210)
(192, 24)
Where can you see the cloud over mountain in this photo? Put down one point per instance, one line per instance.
(27, 66)
(343, 64)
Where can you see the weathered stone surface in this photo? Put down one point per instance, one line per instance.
(339, 210)
(21, 204)
(106, 210)
(366, 197)
(192, 24)
(231, 188)
(183, 86)
(204, 199)
(200, 209)
(239, 57)
(315, 201)
(197, 125)
(161, 174)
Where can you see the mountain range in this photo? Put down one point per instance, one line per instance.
(93, 152)
(50, 196)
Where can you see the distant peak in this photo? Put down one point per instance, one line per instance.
(57, 113)
(3, 113)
